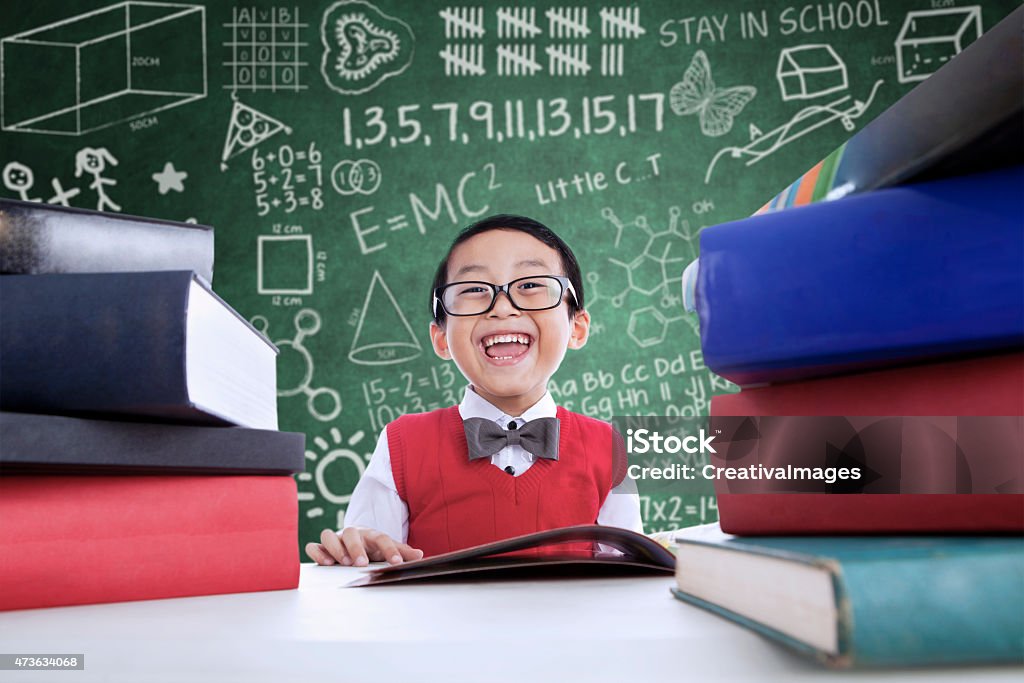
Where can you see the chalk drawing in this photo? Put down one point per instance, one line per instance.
(463, 60)
(518, 60)
(621, 22)
(338, 466)
(523, 25)
(170, 179)
(805, 121)
(294, 355)
(291, 253)
(808, 71)
(463, 22)
(390, 339)
(60, 195)
(164, 48)
(517, 22)
(266, 49)
(18, 177)
(246, 129)
(715, 107)
(652, 273)
(362, 47)
(567, 60)
(567, 22)
(930, 38)
(93, 162)
(361, 176)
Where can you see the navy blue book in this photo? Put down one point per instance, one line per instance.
(147, 345)
(864, 601)
(883, 278)
(43, 238)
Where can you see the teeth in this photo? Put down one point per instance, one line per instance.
(505, 338)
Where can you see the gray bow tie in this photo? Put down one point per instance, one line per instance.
(538, 437)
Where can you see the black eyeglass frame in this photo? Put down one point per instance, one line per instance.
(497, 289)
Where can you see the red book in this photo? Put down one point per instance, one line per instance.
(986, 386)
(73, 540)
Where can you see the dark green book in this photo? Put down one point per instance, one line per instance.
(865, 602)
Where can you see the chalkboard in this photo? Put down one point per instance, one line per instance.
(337, 147)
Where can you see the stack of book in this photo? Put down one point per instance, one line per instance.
(888, 281)
(139, 451)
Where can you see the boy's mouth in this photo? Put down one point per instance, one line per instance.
(506, 346)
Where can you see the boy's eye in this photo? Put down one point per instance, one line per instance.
(530, 287)
(471, 290)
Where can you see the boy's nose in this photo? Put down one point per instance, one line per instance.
(502, 307)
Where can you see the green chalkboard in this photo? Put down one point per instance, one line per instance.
(338, 146)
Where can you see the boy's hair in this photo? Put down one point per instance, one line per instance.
(532, 228)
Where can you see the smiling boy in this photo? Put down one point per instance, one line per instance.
(507, 304)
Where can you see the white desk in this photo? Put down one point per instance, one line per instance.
(596, 629)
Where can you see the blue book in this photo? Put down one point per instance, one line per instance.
(157, 345)
(865, 602)
(902, 274)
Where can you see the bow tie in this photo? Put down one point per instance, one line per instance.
(538, 437)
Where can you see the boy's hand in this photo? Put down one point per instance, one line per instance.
(357, 545)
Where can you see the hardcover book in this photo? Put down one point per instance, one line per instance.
(986, 386)
(154, 344)
(76, 540)
(49, 444)
(42, 238)
(891, 277)
(864, 602)
(587, 548)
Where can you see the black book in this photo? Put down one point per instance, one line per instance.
(42, 238)
(157, 344)
(585, 549)
(55, 444)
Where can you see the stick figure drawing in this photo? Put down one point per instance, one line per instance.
(93, 160)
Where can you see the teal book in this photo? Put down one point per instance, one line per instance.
(865, 602)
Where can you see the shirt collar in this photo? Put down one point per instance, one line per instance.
(475, 405)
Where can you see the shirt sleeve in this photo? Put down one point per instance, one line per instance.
(375, 502)
(622, 507)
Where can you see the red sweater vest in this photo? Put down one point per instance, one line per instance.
(455, 503)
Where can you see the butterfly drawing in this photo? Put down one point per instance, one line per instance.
(697, 94)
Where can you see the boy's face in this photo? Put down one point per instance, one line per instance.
(511, 375)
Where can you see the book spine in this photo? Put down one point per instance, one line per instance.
(978, 619)
(81, 540)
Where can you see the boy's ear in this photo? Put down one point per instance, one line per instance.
(580, 331)
(439, 339)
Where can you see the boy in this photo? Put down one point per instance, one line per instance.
(507, 304)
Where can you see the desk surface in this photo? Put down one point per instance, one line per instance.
(588, 629)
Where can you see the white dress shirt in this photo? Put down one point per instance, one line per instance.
(375, 502)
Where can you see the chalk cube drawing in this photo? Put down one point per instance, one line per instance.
(101, 68)
(284, 264)
(809, 71)
(930, 38)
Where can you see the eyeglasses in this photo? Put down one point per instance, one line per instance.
(474, 297)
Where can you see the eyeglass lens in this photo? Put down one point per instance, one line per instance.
(528, 294)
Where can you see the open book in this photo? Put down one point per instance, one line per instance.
(583, 548)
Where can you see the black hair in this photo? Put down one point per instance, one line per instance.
(532, 228)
